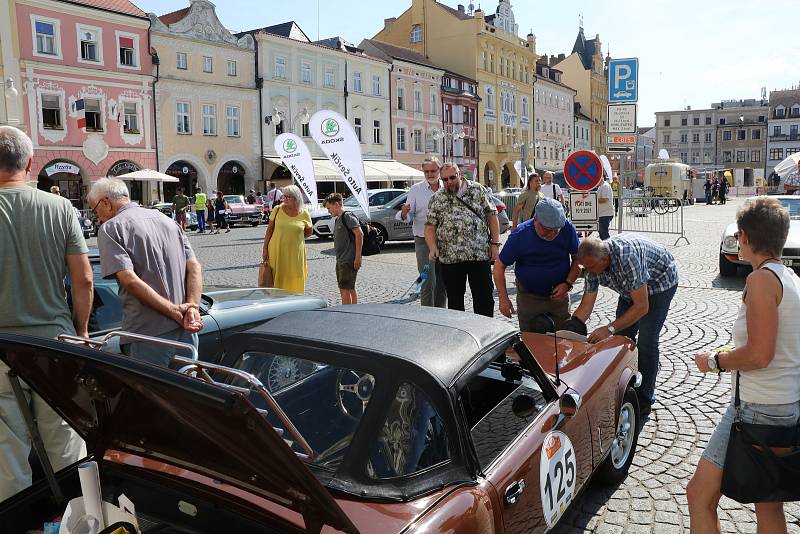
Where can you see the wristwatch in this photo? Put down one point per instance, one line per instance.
(611, 329)
(712, 362)
(496, 243)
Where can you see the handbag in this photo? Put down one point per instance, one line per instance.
(265, 275)
(753, 472)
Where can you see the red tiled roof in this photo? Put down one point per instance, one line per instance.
(175, 16)
(118, 6)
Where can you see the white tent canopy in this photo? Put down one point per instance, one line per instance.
(148, 175)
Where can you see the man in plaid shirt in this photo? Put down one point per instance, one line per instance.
(646, 277)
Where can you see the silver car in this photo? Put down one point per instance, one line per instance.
(383, 206)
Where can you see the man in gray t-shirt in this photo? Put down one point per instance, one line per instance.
(160, 279)
(41, 243)
(348, 239)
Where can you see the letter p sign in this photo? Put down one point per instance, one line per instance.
(623, 80)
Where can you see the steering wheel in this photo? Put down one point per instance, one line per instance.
(352, 386)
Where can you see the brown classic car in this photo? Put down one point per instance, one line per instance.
(377, 418)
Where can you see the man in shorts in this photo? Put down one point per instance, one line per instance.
(180, 205)
(348, 239)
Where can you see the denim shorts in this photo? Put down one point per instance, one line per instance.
(762, 414)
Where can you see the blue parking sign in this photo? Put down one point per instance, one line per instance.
(623, 80)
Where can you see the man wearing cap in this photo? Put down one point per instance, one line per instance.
(645, 276)
(543, 251)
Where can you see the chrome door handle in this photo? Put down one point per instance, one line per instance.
(514, 491)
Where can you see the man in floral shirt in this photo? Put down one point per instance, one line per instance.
(463, 233)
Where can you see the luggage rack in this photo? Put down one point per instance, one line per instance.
(194, 368)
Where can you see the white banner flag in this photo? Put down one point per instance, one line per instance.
(295, 155)
(337, 139)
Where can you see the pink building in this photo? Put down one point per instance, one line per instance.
(416, 102)
(94, 52)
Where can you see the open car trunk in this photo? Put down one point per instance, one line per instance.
(173, 423)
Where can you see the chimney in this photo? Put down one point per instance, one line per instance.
(461, 8)
(388, 22)
(561, 57)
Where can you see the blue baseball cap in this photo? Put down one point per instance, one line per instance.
(550, 213)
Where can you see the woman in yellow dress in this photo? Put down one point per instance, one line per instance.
(284, 243)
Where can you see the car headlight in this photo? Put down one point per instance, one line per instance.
(730, 242)
(87, 223)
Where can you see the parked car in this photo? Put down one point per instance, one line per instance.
(502, 214)
(241, 212)
(86, 223)
(729, 244)
(454, 423)
(384, 204)
(166, 209)
(225, 311)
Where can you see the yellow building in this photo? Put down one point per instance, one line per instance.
(585, 71)
(206, 102)
(487, 49)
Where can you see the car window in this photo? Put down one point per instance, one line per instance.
(412, 438)
(106, 311)
(793, 205)
(234, 199)
(488, 402)
(351, 202)
(379, 199)
(325, 403)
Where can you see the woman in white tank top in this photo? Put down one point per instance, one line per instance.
(767, 357)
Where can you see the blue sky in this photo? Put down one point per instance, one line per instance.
(691, 52)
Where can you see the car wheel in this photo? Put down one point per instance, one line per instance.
(726, 267)
(253, 224)
(383, 236)
(615, 467)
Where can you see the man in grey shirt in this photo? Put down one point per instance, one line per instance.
(348, 240)
(40, 243)
(160, 279)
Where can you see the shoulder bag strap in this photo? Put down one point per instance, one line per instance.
(470, 208)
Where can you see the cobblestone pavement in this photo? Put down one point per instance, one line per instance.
(689, 404)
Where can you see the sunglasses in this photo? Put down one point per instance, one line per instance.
(450, 178)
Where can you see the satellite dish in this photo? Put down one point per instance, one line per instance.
(663, 154)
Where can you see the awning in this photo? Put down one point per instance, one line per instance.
(374, 170)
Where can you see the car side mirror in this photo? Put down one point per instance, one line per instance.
(569, 404)
(524, 406)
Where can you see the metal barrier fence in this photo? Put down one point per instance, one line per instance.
(509, 199)
(644, 213)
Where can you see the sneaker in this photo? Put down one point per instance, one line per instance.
(226, 231)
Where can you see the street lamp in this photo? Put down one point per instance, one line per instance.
(279, 116)
(439, 134)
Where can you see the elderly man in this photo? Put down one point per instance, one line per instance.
(646, 277)
(160, 279)
(462, 232)
(543, 251)
(40, 243)
(415, 211)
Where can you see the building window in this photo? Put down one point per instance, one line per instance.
(208, 64)
(280, 67)
(180, 61)
(727, 156)
(357, 125)
(722, 120)
(232, 121)
(696, 157)
(401, 139)
(46, 38)
(305, 130)
(418, 140)
(183, 117)
(755, 156)
(88, 45)
(666, 123)
(795, 110)
(209, 119)
(696, 121)
(706, 157)
(305, 73)
(416, 34)
(708, 120)
(708, 137)
(127, 51)
(357, 82)
(401, 98)
(780, 112)
(417, 101)
(683, 122)
(741, 156)
(695, 138)
(51, 112)
(684, 138)
(776, 153)
(433, 103)
(376, 132)
(232, 70)
(726, 136)
(376, 85)
(755, 134)
(279, 127)
(741, 135)
(330, 80)
(776, 130)
(131, 124)
(94, 115)
(793, 131)
(684, 157)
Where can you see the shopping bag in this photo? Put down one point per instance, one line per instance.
(264, 275)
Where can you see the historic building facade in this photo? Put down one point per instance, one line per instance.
(10, 88)
(487, 49)
(87, 96)
(206, 102)
(783, 136)
(460, 103)
(553, 112)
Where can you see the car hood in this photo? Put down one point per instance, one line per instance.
(118, 403)
(229, 298)
(243, 208)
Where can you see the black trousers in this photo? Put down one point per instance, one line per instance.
(479, 274)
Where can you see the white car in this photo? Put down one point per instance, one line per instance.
(729, 259)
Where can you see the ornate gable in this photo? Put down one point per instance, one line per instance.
(201, 22)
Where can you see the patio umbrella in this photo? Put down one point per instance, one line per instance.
(148, 175)
(788, 165)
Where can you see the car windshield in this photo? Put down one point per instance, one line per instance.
(351, 202)
(234, 199)
(793, 205)
(325, 403)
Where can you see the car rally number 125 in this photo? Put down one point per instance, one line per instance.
(557, 470)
